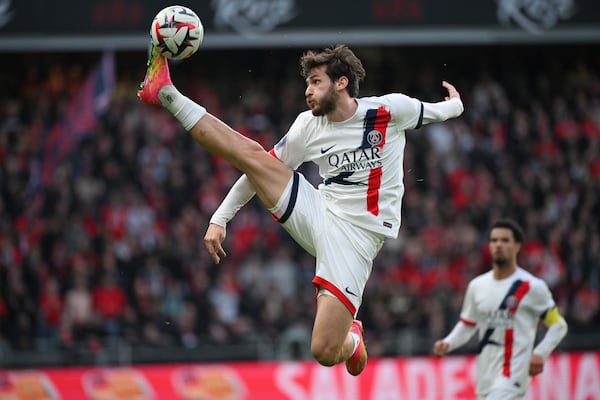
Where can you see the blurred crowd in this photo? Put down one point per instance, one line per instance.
(112, 247)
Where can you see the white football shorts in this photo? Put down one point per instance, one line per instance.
(344, 252)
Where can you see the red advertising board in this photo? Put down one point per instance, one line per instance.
(567, 376)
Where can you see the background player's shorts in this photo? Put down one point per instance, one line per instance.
(505, 388)
(503, 394)
(344, 252)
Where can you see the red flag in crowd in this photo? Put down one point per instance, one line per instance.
(81, 116)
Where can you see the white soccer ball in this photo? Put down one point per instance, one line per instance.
(177, 32)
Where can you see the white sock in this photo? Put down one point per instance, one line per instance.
(185, 110)
(356, 341)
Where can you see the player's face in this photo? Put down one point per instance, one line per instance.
(320, 93)
(503, 247)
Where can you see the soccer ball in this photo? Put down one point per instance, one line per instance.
(177, 32)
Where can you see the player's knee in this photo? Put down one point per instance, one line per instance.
(249, 154)
(325, 353)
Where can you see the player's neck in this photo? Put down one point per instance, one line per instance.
(345, 109)
(502, 272)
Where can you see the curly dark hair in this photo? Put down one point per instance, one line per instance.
(340, 61)
(508, 223)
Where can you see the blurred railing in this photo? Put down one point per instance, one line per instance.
(117, 352)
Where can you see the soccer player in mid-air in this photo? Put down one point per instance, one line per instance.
(358, 145)
(505, 305)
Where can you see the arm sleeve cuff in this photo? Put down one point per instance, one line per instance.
(441, 111)
(459, 335)
(555, 333)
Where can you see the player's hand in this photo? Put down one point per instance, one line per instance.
(440, 348)
(452, 92)
(215, 234)
(536, 365)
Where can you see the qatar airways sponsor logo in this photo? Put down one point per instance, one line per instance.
(356, 160)
(500, 319)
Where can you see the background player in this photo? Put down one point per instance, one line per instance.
(505, 306)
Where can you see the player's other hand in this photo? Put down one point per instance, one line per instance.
(452, 92)
(536, 365)
(215, 234)
(440, 348)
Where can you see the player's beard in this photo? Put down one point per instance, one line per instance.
(500, 261)
(327, 104)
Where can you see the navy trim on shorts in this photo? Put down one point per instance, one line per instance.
(293, 197)
(420, 123)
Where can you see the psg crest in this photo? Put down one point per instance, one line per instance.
(374, 138)
(511, 301)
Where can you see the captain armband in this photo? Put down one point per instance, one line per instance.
(552, 316)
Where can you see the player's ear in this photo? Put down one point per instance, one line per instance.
(341, 82)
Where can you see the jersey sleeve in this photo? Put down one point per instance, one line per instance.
(407, 111)
(442, 111)
(291, 148)
(240, 193)
(468, 313)
(542, 300)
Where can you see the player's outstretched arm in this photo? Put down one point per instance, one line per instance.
(451, 107)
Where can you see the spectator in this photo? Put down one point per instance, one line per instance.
(80, 322)
(50, 309)
(109, 302)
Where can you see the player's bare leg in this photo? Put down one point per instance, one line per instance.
(336, 336)
(268, 175)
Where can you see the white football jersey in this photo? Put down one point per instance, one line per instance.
(360, 159)
(506, 313)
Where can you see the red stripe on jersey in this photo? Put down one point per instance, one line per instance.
(519, 294)
(382, 119)
(467, 322)
(509, 333)
(325, 284)
(508, 347)
(373, 190)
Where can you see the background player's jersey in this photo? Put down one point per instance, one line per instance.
(506, 313)
(360, 159)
